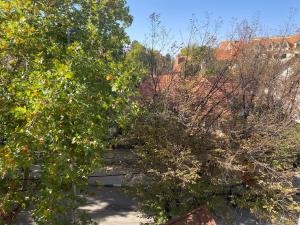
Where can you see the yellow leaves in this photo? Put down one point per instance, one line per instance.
(69, 75)
(268, 207)
(19, 41)
(251, 167)
(109, 77)
(8, 32)
(15, 155)
(295, 207)
(3, 44)
(41, 141)
(25, 150)
(75, 49)
(5, 6)
(8, 6)
(34, 93)
(19, 111)
(19, 33)
(64, 70)
(12, 62)
(22, 19)
(6, 156)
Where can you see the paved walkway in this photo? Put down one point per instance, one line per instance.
(106, 206)
(109, 206)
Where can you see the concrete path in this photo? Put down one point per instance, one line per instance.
(110, 206)
(105, 206)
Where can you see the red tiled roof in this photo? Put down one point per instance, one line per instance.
(179, 62)
(210, 94)
(198, 216)
(230, 49)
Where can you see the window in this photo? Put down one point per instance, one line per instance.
(181, 60)
(283, 56)
(285, 45)
(270, 47)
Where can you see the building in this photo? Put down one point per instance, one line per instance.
(282, 47)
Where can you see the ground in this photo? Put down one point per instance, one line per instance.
(109, 205)
(106, 206)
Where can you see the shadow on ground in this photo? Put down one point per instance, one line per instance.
(105, 206)
(110, 206)
(239, 217)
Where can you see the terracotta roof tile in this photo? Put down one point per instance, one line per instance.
(198, 216)
(230, 49)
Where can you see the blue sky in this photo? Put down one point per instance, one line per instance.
(175, 14)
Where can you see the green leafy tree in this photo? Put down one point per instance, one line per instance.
(149, 61)
(199, 59)
(63, 83)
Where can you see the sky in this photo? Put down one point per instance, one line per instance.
(176, 14)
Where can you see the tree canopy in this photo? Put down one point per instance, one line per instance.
(228, 140)
(63, 83)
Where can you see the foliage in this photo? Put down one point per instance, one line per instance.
(63, 83)
(149, 60)
(199, 59)
(229, 139)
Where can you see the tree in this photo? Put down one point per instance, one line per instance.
(138, 55)
(199, 59)
(225, 140)
(63, 83)
(150, 64)
(145, 59)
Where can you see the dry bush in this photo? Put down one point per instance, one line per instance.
(229, 137)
